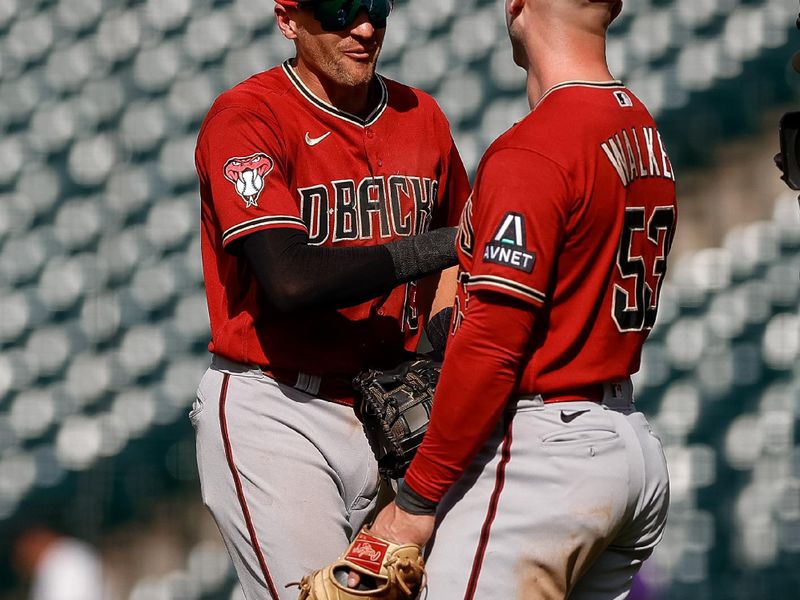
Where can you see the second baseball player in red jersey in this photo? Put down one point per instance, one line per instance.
(612, 274)
(538, 475)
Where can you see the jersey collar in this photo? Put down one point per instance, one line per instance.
(614, 83)
(332, 110)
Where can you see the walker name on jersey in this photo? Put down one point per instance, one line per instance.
(387, 207)
(637, 153)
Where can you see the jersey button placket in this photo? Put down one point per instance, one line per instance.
(371, 148)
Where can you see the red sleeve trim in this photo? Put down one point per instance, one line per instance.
(508, 287)
(248, 227)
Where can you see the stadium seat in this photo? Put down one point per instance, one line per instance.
(119, 35)
(210, 35)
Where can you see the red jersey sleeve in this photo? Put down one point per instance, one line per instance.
(240, 164)
(480, 369)
(521, 205)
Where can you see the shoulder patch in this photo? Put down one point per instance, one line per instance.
(247, 175)
(623, 99)
(508, 246)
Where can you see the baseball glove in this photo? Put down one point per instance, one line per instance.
(388, 571)
(395, 407)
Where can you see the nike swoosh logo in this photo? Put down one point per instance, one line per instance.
(569, 418)
(314, 141)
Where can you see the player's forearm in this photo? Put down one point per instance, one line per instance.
(295, 275)
(420, 255)
(479, 374)
(445, 290)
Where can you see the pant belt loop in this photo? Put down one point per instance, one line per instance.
(309, 384)
(525, 402)
(618, 394)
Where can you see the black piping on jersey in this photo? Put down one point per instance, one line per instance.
(247, 225)
(332, 110)
(614, 83)
(507, 284)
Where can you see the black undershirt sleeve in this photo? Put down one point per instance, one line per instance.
(295, 275)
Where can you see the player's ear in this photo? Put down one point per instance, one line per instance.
(286, 21)
(514, 7)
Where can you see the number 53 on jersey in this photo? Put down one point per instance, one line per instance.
(641, 265)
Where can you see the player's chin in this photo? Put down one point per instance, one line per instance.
(360, 70)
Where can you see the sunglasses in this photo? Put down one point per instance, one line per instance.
(338, 15)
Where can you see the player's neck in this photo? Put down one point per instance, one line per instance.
(575, 60)
(357, 100)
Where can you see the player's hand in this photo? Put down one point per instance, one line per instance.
(395, 524)
(401, 527)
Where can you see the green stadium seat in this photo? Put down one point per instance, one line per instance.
(32, 413)
(78, 15)
(49, 348)
(31, 37)
(210, 35)
(167, 15)
(155, 68)
(16, 315)
(119, 34)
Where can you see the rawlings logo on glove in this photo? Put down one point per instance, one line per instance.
(368, 552)
(388, 571)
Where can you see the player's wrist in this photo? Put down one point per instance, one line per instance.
(423, 254)
(413, 503)
(438, 331)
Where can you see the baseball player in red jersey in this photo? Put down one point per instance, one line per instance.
(327, 191)
(540, 478)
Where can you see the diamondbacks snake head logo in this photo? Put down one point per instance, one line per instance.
(247, 174)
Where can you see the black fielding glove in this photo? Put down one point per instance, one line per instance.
(395, 406)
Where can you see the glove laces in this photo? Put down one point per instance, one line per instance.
(399, 564)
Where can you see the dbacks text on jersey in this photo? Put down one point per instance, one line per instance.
(399, 205)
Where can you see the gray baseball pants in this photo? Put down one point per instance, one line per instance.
(565, 500)
(289, 478)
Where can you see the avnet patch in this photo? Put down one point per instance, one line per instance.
(521, 260)
(508, 247)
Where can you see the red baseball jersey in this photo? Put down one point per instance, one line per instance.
(574, 211)
(270, 154)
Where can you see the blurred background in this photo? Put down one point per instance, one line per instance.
(103, 323)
